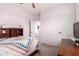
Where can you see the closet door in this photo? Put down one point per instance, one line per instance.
(65, 27)
(66, 21)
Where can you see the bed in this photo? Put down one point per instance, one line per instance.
(16, 44)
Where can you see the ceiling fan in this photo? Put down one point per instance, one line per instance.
(33, 5)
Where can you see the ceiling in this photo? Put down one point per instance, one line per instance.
(38, 6)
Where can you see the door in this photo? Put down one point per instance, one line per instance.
(35, 25)
(65, 27)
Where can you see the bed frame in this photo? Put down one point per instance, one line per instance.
(10, 32)
(14, 32)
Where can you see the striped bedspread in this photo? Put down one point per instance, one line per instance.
(17, 48)
(12, 50)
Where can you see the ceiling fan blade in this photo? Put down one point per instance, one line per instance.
(20, 3)
(33, 5)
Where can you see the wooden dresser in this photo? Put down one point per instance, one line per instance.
(67, 48)
(10, 32)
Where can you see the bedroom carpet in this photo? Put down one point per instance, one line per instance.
(46, 50)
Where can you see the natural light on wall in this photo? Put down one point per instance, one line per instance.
(37, 25)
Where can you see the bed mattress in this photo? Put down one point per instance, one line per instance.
(18, 46)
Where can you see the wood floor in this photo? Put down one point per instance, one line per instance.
(46, 50)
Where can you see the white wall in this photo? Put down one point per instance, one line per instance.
(13, 16)
(77, 12)
(54, 20)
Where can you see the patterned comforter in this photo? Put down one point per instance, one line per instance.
(20, 47)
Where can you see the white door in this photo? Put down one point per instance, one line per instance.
(65, 26)
(35, 29)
